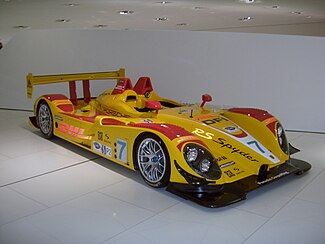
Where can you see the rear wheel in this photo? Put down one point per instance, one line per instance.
(153, 161)
(44, 119)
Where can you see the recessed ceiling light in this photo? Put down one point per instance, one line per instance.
(164, 2)
(246, 18)
(161, 19)
(126, 12)
(71, 4)
(247, 1)
(62, 20)
(21, 27)
(100, 26)
(296, 12)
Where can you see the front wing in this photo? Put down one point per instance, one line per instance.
(218, 196)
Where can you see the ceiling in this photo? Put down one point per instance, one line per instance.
(294, 17)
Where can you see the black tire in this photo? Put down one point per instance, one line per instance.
(153, 161)
(45, 119)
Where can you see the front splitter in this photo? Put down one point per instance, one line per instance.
(214, 196)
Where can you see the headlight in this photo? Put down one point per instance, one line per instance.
(205, 165)
(191, 155)
(201, 161)
(282, 139)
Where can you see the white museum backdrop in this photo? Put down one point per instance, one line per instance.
(283, 74)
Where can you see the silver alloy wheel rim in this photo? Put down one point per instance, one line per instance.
(152, 160)
(45, 119)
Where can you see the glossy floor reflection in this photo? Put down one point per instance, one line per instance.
(54, 192)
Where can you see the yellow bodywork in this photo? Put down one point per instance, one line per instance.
(109, 120)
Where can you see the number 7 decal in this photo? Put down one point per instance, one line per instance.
(122, 150)
(256, 145)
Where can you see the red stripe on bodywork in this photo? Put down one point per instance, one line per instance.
(66, 107)
(171, 131)
(109, 121)
(53, 97)
(272, 127)
(258, 114)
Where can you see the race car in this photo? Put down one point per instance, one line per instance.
(206, 154)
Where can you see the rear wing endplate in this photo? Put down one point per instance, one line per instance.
(72, 78)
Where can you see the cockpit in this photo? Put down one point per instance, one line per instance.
(131, 101)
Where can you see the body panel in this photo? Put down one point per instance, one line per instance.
(245, 145)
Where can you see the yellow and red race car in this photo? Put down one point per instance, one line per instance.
(210, 155)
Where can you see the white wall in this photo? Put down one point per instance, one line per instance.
(283, 74)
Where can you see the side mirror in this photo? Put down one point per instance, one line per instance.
(153, 105)
(205, 98)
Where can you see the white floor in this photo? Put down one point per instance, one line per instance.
(53, 192)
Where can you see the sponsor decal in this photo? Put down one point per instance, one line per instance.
(221, 158)
(202, 133)
(102, 149)
(238, 170)
(147, 121)
(111, 112)
(231, 129)
(233, 149)
(119, 87)
(103, 137)
(229, 173)
(72, 130)
(106, 139)
(235, 131)
(273, 178)
(226, 165)
(100, 135)
(214, 120)
(97, 146)
(204, 117)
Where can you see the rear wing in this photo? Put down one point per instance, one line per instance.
(72, 78)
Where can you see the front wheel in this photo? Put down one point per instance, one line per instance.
(153, 161)
(44, 119)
